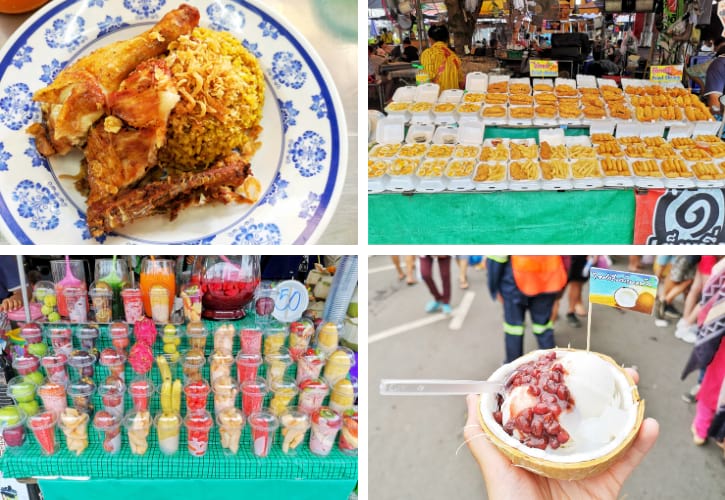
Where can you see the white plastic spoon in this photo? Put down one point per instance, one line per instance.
(436, 387)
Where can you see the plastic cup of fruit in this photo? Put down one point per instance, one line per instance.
(132, 304)
(276, 365)
(230, 423)
(220, 365)
(61, 338)
(87, 337)
(22, 392)
(31, 333)
(197, 393)
(109, 431)
(43, 426)
(26, 364)
(168, 427)
(225, 394)
(191, 298)
(80, 393)
(247, 366)
(115, 362)
(83, 363)
(141, 391)
(76, 300)
(53, 396)
(312, 394)
(197, 333)
(342, 395)
(12, 426)
(348, 443)
(274, 339)
(253, 393)
(300, 334)
(309, 365)
(54, 366)
(338, 365)
(192, 362)
(138, 424)
(251, 340)
(284, 392)
(264, 302)
(325, 426)
(101, 303)
(295, 424)
(198, 424)
(119, 336)
(159, 299)
(263, 425)
(112, 394)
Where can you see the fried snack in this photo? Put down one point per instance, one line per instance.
(496, 98)
(592, 100)
(549, 152)
(589, 91)
(397, 106)
(526, 170)
(474, 97)
(664, 151)
(490, 172)
(686, 100)
(555, 169)
(565, 90)
(613, 167)
(654, 141)
(543, 87)
(677, 92)
(611, 94)
(630, 139)
(376, 168)
(521, 112)
(609, 148)
(675, 167)
(464, 151)
(498, 87)
(469, 107)
(494, 111)
(694, 154)
(646, 168)
(593, 112)
(444, 107)
(646, 113)
(717, 150)
(707, 138)
(413, 150)
(402, 166)
(632, 90)
(521, 100)
(521, 151)
(545, 98)
(545, 111)
(440, 151)
(581, 169)
(697, 114)
(420, 107)
(569, 111)
(497, 153)
(579, 152)
(431, 168)
(460, 168)
(384, 150)
(707, 171)
(670, 113)
(519, 88)
(682, 142)
(641, 101)
(598, 138)
(619, 110)
(639, 150)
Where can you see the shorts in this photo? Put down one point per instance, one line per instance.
(683, 268)
(578, 262)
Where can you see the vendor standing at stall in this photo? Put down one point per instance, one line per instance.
(10, 290)
(440, 63)
(715, 82)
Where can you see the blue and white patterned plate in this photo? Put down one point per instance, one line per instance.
(301, 163)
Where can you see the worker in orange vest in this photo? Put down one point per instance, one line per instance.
(526, 282)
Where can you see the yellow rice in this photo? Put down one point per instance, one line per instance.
(222, 95)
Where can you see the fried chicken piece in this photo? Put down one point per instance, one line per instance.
(124, 147)
(158, 196)
(78, 95)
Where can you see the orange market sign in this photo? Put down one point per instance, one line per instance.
(538, 68)
(672, 73)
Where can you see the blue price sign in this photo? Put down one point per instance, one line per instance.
(292, 301)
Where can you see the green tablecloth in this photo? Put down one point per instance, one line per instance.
(539, 217)
(336, 472)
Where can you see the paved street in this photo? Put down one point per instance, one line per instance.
(413, 440)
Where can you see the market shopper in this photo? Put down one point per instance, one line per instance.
(526, 283)
(441, 299)
(410, 53)
(677, 281)
(11, 297)
(408, 275)
(440, 63)
(505, 481)
(715, 81)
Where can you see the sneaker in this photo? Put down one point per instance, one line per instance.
(671, 312)
(572, 320)
(682, 323)
(446, 308)
(432, 306)
(687, 334)
(690, 397)
(659, 309)
(661, 323)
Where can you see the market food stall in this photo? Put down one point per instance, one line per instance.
(228, 391)
(519, 160)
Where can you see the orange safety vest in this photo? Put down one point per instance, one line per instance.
(535, 274)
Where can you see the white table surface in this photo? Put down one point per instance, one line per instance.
(338, 50)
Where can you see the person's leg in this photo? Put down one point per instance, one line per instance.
(540, 311)
(575, 297)
(444, 266)
(410, 269)
(462, 271)
(396, 263)
(513, 327)
(634, 262)
(426, 268)
(693, 297)
(701, 423)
